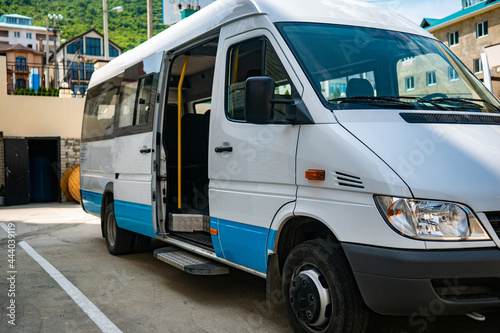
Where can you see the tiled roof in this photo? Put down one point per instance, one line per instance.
(460, 13)
(17, 47)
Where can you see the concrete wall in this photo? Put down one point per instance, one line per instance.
(38, 115)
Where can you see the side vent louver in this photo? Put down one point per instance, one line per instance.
(344, 179)
(433, 118)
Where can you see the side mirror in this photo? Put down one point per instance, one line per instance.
(259, 94)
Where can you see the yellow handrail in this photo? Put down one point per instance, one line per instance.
(179, 144)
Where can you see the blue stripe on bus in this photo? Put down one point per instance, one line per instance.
(135, 217)
(243, 244)
(91, 202)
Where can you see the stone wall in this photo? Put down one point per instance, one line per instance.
(70, 155)
(2, 162)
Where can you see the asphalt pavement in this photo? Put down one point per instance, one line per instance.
(57, 276)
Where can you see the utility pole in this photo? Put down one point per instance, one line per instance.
(150, 18)
(105, 24)
(47, 54)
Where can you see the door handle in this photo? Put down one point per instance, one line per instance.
(146, 150)
(7, 172)
(223, 149)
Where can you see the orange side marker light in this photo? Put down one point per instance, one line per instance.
(315, 174)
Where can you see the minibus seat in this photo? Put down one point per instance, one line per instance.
(359, 87)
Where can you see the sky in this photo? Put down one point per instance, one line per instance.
(414, 10)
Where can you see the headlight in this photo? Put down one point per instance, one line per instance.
(431, 220)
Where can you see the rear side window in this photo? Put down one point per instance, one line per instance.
(99, 114)
(254, 57)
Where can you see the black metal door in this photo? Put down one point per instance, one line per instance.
(16, 171)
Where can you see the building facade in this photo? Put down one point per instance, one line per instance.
(24, 67)
(18, 29)
(471, 32)
(79, 57)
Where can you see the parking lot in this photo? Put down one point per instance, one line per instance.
(62, 279)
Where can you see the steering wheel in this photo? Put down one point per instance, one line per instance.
(435, 95)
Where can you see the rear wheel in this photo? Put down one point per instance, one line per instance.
(118, 240)
(320, 292)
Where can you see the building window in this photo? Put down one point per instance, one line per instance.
(478, 66)
(28, 35)
(89, 69)
(17, 34)
(21, 64)
(482, 29)
(72, 70)
(74, 47)
(468, 3)
(452, 74)
(453, 38)
(113, 52)
(80, 88)
(20, 83)
(92, 46)
(410, 83)
(431, 78)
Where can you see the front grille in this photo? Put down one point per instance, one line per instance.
(494, 218)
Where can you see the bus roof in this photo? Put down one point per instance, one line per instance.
(221, 12)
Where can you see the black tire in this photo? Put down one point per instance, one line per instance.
(118, 240)
(141, 243)
(319, 290)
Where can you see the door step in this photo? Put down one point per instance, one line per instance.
(190, 262)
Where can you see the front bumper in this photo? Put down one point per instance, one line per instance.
(444, 282)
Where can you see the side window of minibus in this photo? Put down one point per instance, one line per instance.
(254, 57)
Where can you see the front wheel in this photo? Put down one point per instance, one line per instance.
(319, 290)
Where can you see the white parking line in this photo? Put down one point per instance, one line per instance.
(80, 299)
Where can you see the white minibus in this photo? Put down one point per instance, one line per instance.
(331, 147)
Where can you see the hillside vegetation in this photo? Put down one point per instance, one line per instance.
(127, 29)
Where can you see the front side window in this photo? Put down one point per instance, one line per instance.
(482, 29)
(367, 68)
(255, 57)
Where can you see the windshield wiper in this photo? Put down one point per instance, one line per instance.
(452, 103)
(468, 102)
(372, 100)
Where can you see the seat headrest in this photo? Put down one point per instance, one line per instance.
(359, 87)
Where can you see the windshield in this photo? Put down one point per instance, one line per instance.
(355, 67)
